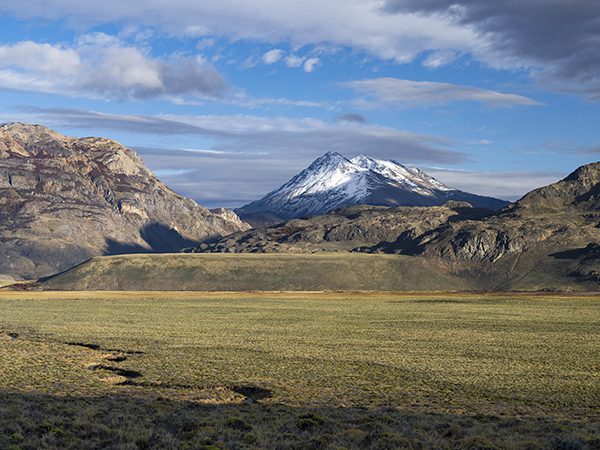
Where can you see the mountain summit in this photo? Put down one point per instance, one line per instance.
(333, 181)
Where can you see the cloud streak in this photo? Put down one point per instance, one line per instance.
(248, 156)
(305, 137)
(405, 93)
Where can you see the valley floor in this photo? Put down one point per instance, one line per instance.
(298, 370)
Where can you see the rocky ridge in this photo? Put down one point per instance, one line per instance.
(64, 200)
(344, 229)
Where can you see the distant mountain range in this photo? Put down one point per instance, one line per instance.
(64, 200)
(549, 239)
(333, 181)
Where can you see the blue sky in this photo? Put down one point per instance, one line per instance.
(226, 101)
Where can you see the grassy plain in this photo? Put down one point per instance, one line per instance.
(298, 370)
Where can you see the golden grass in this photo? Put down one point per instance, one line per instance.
(532, 357)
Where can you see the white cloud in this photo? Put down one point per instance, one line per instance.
(311, 64)
(294, 61)
(439, 58)
(404, 93)
(41, 58)
(556, 38)
(205, 43)
(358, 24)
(101, 66)
(272, 56)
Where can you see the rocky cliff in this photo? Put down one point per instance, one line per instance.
(64, 200)
(562, 215)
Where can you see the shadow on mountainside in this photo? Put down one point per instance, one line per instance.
(44, 421)
(160, 238)
(590, 252)
(164, 239)
(121, 248)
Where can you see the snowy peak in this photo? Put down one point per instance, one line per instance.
(327, 166)
(330, 172)
(411, 177)
(329, 159)
(333, 181)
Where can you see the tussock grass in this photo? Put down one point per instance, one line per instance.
(261, 370)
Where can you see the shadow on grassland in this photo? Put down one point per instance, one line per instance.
(40, 421)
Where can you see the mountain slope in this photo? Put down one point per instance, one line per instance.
(563, 214)
(550, 239)
(333, 181)
(64, 200)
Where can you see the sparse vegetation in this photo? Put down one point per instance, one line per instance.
(257, 272)
(250, 370)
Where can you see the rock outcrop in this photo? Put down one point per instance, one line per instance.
(346, 229)
(562, 215)
(64, 200)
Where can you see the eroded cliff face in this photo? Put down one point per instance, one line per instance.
(562, 215)
(63, 200)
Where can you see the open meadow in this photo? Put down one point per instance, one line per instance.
(298, 370)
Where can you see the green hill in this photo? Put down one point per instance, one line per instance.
(257, 272)
(320, 272)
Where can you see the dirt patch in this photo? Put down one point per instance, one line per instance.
(126, 352)
(126, 376)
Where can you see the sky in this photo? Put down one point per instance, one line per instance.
(227, 100)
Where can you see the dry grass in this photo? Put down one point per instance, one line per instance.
(260, 272)
(343, 369)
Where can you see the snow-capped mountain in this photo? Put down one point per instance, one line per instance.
(333, 181)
